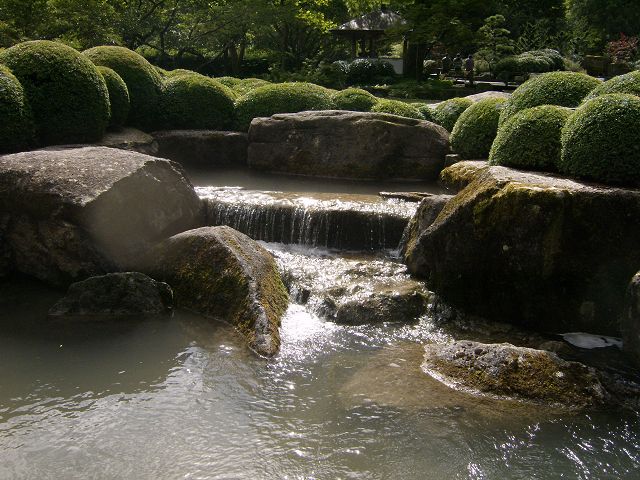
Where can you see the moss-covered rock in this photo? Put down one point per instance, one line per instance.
(118, 96)
(143, 82)
(531, 139)
(600, 141)
(397, 107)
(627, 83)
(355, 99)
(16, 129)
(475, 129)
(281, 98)
(68, 97)
(193, 101)
(447, 113)
(565, 89)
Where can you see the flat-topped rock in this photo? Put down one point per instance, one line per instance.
(130, 139)
(344, 144)
(203, 148)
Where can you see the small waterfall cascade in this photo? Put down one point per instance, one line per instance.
(339, 221)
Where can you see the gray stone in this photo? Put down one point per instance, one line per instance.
(222, 273)
(204, 148)
(428, 210)
(631, 320)
(348, 144)
(80, 212)
(115, 295)
(130, 139)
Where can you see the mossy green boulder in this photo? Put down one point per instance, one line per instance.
(16, 129)
(531, 139)
(191, 101)
(118, 96)
(600, 140)
(281, 98)
(68, 97)
(476, 128)
(397, 107)
(143, 82)
(355, 99)
(627, 83)
(446, 113)
(565, 89)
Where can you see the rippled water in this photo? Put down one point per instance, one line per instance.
(181, 398)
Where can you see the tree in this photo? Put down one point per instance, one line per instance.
(493, 40)
(609, 18)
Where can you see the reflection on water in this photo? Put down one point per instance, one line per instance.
(181, 397)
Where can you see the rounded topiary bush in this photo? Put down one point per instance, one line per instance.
(355, 99)
(193, 101)
(16, 128)
(68, 97)
(281, 98)
(530, 139)
(447, 113)
(600, 140)
(143, 82)
(565, 89)
(118, 96)
(475, 129)
(627, 83)
(247, 85)
(426, 110)
(396, 107)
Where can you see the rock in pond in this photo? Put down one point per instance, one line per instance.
(506, 371)
(72, 213)
(344, 144)
(631, 319)
(531, 248)
(130, 139)
(203, 148)
(219, 272)
(115, 295)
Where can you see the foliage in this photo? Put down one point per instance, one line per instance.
(280, 98)
(193, 101)
(535, 61)
(16, 129)
(447, 113)
(530, 139)
(598, 141)
(493, 40)
(118, 96)
(624, 49)
(566, 89)
(397, 107)
(475, 129)
(608, 18)
(354, 99)
(627, 83)
(430, 89)
(67, 95)
(364, 71)
(426, 110)
(143, 82)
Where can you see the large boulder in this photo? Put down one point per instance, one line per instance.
(533, 249)
(203, 148)
(345, 144)
(428, 210)
(631, 319)
(222, 273)
(69, 214)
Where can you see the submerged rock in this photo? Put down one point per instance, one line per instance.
(631, 319)
(78, 212)
(533, 249)
(204, 148)
(115, 295)
(222, 273)
(506, 371)
(348, 144)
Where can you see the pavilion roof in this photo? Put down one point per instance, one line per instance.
(379, 20)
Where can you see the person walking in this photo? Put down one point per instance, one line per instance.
(469, 66)
(446, 65)
(457, 65)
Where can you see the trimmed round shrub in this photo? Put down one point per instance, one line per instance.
(193, 101)
(178, 72)
(143, 82)
(16, 128)
(446, 113)
(426, 110)
(397, 107)
(118, 96)
(475, 129)
(364, 71)
(67, 96)
(247, 85)
(600, 140)
(627, 83)
(531, 139)
(281, 98)
(565, 89)
(355, 99)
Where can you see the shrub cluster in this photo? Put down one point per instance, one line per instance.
(118, 96)
(533, 61)
(426, 110)
(366, 71)
(627, 83)
(396, 107)
(16, 128)
(446, 113)
(475, 129)
(354, 99)
(241, 86)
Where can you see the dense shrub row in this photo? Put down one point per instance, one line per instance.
(534, 61)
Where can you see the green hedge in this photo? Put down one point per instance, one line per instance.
(426, 110)
(143, 82)
(397, 107)
(627, 83)
(565, 89)
(16, 128)
(193, 101)
(355, 99)
(247, 85)
(475, 129)
(600, 140)
(118, 96)
(533, 61)
(68, 97)
(446, 113)
(281, 98)
(531, 139)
